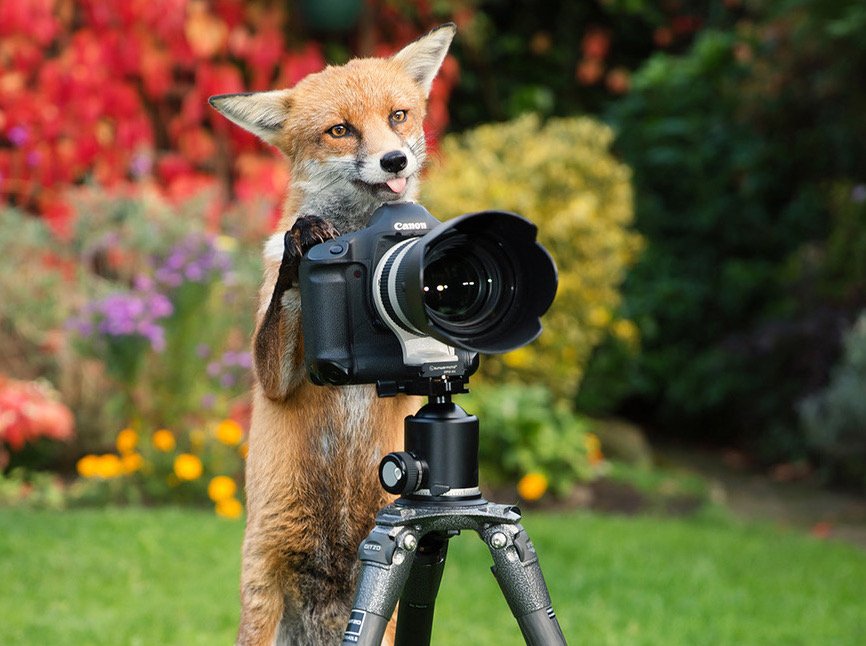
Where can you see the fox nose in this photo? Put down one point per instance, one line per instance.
(394, 161)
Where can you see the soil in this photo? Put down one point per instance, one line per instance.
(787, 495)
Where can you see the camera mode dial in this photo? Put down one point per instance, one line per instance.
(400, 473)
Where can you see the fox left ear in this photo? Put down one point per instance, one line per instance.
(424, 57)
(261, 113)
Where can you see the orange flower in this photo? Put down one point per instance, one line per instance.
(221, 488)
(187, 467)
(108, 466)
(163, 440)
(593, 448)
(131, 462)
(126, 441)
(87, 466)
(229, 508)
(532, 486)
(229, 432)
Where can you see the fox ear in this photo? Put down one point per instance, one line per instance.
(424, 57)
(262, 113)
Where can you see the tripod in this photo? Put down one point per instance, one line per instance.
(403, 557)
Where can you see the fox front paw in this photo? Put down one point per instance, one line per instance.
(306, 232)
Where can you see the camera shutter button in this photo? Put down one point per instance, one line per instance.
(336, 249)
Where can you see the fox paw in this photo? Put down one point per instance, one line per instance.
(306, 232)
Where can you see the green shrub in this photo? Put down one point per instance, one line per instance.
(562, 176)
(730, 150)
(525, 431)
(835, 418)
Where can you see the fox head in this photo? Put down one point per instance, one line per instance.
(352, 133)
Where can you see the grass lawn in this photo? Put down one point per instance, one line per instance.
(169, 576)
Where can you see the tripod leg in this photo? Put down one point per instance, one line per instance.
(519, 576)
(386, 560)
(415, 615)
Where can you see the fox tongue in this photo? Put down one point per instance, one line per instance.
(397, 184)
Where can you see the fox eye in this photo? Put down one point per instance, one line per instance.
(398, 116)
(340, 130)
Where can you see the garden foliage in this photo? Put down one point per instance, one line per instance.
(115, 93)
(741, 149)
(526, 432)
(561, 176)
(835, 418)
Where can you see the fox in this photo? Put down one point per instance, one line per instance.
(353, 138)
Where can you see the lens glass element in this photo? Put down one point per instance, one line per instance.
(464, 283)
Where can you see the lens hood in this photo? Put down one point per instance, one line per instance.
(480, 282)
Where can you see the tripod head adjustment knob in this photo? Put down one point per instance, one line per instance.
(400, 473)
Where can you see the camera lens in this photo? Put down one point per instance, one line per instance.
(479, 282)
(464, 285)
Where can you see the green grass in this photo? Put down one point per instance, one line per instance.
(169, 576)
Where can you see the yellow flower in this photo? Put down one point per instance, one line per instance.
(221, 488)
(229, 432)
(519, 358)
(126, 441)
(229, 508)
(599, 316)
(532, 486)
(163, 440)
(187, 467)
(108, 466)
(625, 331)
(593, 448)
(87, 466)
(243, 450)
(131, 462)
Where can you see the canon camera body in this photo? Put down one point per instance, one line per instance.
(409, 298)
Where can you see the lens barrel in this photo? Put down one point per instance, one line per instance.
(479, 282)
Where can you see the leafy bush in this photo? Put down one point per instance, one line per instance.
(729, 147)
(560, 175)
(525, 432)
(835, 418)
(115, 93)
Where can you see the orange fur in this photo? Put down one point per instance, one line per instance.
(312, 489)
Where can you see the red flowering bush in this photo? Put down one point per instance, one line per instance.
(30, 411)
(115, 92)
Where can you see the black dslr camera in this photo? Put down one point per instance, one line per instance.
(409, 299)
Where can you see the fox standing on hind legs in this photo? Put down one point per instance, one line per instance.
(354, 139)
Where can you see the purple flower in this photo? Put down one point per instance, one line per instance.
(18, 135)
(858, 194)
(195, 259)
(125, 315)
(202, 350)
(141, 164)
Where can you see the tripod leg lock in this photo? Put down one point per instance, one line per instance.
(386, 560)
(519, 576)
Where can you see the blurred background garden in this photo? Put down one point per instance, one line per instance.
(688, 434)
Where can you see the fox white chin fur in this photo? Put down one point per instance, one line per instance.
(353, 137)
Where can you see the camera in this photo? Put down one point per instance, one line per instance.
(409, 298)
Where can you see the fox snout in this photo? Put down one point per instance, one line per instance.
(394, 161)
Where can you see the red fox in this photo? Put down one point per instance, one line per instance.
(354, 139)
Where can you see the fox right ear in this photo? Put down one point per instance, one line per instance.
(261, 113)
(423, 58)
